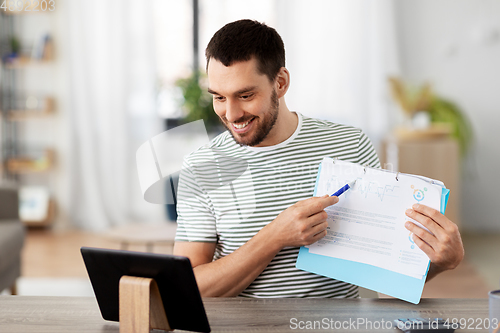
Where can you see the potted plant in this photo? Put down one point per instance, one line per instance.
(197, 102)
(446, 117)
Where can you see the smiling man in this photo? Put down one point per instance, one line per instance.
(243, 236)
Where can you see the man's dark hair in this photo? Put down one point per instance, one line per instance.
(241, 40)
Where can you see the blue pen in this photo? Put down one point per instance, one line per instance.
(343, 189)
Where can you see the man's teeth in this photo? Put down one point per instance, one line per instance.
(240, 126)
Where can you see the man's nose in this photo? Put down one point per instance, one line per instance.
(233, 111)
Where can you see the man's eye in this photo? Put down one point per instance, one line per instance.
(219, 98)
(246, 96)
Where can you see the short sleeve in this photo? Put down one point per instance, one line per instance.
(366, 152)
(195, 218)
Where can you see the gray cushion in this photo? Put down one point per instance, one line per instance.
(9, 204)
(11, 241)
(9, 275)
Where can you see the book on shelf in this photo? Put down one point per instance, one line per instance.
(43, 48)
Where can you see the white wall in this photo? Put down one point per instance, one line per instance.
(455, 44)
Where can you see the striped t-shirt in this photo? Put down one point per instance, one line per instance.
(228, 192)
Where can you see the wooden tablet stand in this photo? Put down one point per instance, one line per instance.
(141, 306)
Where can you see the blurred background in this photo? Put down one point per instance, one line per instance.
(84, 83)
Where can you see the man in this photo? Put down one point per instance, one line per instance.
(243, 236)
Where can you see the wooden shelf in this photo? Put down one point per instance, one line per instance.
(436, 131)
(20, 115)
(23, 165)
(22, 62)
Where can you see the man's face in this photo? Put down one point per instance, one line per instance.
(245, 101)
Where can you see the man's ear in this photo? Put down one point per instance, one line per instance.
(282, 82)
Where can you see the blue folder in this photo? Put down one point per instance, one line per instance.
(364, 275)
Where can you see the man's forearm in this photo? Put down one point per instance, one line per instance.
(230, 275)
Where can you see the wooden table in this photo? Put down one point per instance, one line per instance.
(81, 314)
(143, 234)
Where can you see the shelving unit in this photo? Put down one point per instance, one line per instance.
(26, 160)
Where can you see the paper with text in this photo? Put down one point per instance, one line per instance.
(367, 224)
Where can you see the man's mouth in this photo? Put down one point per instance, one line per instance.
(242, 127)
(239, 126)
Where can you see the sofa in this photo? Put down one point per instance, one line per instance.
(12, 234)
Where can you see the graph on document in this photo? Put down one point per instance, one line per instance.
(366, 189)
(381, 191)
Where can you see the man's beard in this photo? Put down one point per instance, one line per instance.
(263, 127)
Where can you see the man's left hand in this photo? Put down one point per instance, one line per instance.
(444, 248)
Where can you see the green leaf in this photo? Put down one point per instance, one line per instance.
(444, 111)
(197, 101)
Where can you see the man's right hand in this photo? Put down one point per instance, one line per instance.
(303, 223)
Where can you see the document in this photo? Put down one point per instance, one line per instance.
(367, 224)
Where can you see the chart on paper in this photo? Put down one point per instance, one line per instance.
(367, 189)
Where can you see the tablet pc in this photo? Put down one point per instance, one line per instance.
(173, 274)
